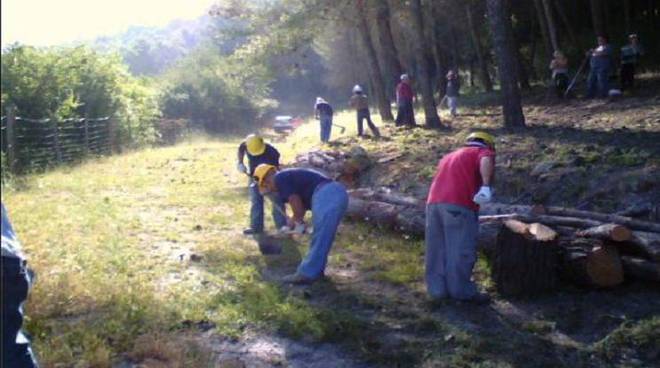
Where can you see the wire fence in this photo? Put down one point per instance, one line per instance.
(36, 143)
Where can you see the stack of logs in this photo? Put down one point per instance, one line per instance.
(532, 247)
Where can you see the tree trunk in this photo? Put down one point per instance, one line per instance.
(552, 29)
(543, 26)
(626, 15)
(597, 17)
(567, 23)
(641, 269)
(645, 244)
(603, 217)
(483, 66)
(592, 264)
(374, 69)
(500, 24)
(421, 52)
(523, 264)
(390, 54)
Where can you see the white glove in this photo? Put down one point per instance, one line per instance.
(241, 168)
(300, 228)
(484, 195)
(284, 230)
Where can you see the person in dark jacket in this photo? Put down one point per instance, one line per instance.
(259, 152)
(323, 112)
(16, 282)
(630, 55)
(453, 87)
(360, 103)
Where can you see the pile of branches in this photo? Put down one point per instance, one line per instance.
(345, 167)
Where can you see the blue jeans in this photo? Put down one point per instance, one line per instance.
(451, 251)
(257, 210)
(329, 204)
(326, 127)
(16, 351)
(598, 84)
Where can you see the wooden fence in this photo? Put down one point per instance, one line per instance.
(33, 143)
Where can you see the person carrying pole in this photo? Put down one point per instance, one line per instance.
(306, 189)
(461, 183)
(323, 112)
(259, 152)
(360, 103)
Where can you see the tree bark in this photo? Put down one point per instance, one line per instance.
(523, 264)
(500, 24)
(374, 69)
(483, 65)
(421, 52)
(597, 17)
(641, 269)
(390, 54)
(552, 29)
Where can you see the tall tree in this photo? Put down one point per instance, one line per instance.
(543, 26)
(597, 17)
(483, 65)
(374, 69)
(388, 49)
(501, 31)
(424, 67)
(552, 29)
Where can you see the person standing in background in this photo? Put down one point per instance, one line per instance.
(404, 99)
(360, 103)
(630, 55)
(323, 112)
(453, 87)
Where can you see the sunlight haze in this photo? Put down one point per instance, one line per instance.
(47, 23)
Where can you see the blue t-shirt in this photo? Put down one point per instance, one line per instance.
(270, 156)
(603, 61)
(302, 182)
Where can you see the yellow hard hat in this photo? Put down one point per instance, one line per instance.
(261, 172)
(255, 144)
(485, 137)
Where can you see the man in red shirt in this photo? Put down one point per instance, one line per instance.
(461, 183)
(404, 99)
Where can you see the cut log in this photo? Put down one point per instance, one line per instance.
(613, 232)
(644, 244)
(544, 219)
(592, 266)
(386, 195)
(641, 269)
(523, 264)
(542, 232)
(605, 218)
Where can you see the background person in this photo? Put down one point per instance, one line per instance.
(259, 152)
(323, 112)
(600, 64)
(404, 99)
(360, 103)
(452, 93)
(306, 189)
(630, 55)
(452, 221)
(559, 68)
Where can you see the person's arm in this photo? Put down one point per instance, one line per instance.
(241, 154)
(297, 207)
(486, 169)
(277, 157)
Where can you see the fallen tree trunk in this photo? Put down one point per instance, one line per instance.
(604, 218)
(524, 264)
(613, 232)
(643, 243)
(590, 263)
(641, 269)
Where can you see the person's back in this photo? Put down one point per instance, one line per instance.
(324, 109)
(359, 101)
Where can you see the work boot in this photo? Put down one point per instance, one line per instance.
(297, 279)
(250, 231)
(480, 299)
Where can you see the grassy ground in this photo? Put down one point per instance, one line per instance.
(139, 254)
